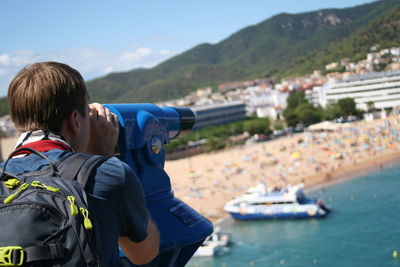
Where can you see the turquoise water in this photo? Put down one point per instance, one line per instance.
(362, 230)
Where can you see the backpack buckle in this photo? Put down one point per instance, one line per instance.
(11, 256)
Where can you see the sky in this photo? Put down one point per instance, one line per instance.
(98, 37)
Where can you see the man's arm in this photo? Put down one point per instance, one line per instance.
(104, 123)
(145, 251)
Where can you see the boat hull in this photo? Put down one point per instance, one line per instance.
(288, 203)
(260, 216)
(283, 211)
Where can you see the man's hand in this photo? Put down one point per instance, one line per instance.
(104, 129)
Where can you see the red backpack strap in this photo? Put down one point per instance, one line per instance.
(42, 146)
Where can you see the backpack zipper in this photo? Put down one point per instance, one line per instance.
(72, 205)
(38, 184)
(11, 197)
(71, 199)
(86, 221)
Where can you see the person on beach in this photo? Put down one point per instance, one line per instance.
(49, 104)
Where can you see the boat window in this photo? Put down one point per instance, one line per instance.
(301, 197)
(272, 203)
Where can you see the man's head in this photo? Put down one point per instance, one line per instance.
(43, 95)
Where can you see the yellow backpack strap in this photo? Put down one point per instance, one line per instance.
(11, 256)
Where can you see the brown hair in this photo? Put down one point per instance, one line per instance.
(42, 95)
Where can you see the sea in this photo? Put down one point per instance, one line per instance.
(363, 229)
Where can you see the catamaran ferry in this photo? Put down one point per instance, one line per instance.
(286, 203)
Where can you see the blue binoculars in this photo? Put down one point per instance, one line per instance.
(144, 130)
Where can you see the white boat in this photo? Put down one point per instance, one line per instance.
(208, 250)
(286, 203)
(214, 244)
(219, 238)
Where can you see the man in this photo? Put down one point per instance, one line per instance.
(49, 104)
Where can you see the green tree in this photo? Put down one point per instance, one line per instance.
(278, 126)
(291, 117)
(332, 111)
(370, 106)
(347, 106)
(308, 114)
(4, 108)
(257, 126)
(214, 143)
(295, 99)
(236, 128)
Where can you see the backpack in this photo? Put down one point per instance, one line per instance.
(44, 215)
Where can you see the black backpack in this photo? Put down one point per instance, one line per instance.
(44, 215)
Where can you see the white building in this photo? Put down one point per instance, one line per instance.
(265, 103)
(382, 89)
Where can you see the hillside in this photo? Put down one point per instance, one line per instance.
(281, 46)
(284, 45)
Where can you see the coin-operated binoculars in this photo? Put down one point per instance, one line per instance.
(144, 130)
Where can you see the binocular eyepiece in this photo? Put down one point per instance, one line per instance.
(187, 119)
(173, 122)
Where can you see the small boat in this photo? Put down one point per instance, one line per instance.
(215, 244)
(285, 203)
(208, 250)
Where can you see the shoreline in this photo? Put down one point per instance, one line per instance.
(339, 176)
(362, 169)
(207, 181)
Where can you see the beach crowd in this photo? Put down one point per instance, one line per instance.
(208, 181)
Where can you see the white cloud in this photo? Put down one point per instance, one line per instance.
(108, 69)
(144, 51)
(137, 55)
(4, 60)
(91, 62)
(166, 52)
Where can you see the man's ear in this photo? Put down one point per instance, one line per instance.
(74, 123)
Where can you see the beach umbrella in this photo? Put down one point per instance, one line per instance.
(296, 155)
(392, 146)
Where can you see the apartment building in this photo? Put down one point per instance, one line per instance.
(217, 114)
(382, 89)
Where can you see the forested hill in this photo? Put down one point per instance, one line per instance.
(286, 44)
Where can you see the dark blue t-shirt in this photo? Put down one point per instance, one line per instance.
(116, 200)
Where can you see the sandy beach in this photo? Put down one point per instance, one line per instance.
(207, 181)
